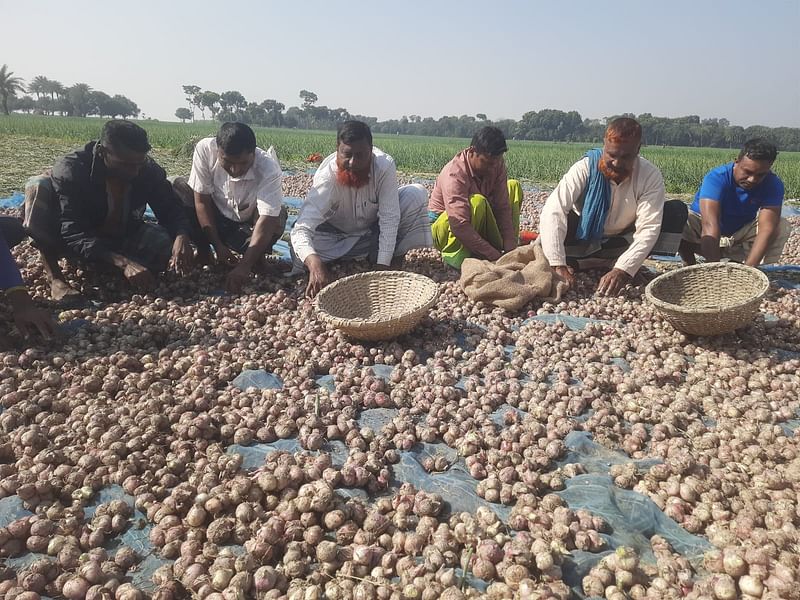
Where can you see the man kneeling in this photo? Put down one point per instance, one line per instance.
(354, 209)
(609, 209)
(91, 209)
(474, 207)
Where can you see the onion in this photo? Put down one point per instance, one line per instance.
(75, 588)
(724, 587)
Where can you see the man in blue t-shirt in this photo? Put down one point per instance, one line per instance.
(736, 212)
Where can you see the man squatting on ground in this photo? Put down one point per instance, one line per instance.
(355, 209)
(474, 208)
(609, 209)
(234, 202)
(90, 209)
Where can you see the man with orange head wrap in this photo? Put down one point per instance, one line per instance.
(609, 210)
(355, 209)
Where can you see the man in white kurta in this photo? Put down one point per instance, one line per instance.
(633, 222)
(234, 201)
(354, 209)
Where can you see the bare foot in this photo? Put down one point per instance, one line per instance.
(61, 291)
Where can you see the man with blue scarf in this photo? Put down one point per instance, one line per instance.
(609, 210)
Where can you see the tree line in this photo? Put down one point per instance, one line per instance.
(49, 97)
(544, 125)
(45, 96)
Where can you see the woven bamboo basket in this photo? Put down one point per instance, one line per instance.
(378, 305)
(708, 299)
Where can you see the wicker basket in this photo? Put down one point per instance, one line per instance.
(708, 299)
(378, 305)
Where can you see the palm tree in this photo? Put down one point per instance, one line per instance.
(54, 88)
(78, 96)
(38, 86)
(9, 86)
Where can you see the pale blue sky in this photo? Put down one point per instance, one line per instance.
(734, 59)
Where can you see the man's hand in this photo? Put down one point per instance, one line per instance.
(225, 255)
(318, 275)
(182, 255)
(567, 274)
(612, 282)
(138, 276)
(28, 318)
(237, 278)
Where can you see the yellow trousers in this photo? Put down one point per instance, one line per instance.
(482, 220)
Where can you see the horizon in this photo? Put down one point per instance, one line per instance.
(669, 62)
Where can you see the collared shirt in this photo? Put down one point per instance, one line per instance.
(351, 210)
(638, 200)
(737, 206)
(79, 182)
(455, 185)
(238, 198)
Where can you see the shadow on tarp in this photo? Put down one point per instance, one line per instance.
(255, 455)
(137, 536)
(633, 518)
(257, 378)
(455, 485)
(11, 509)
(597, 459)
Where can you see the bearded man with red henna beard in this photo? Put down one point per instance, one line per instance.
(609, 210)
(354, 209)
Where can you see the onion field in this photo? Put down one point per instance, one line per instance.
(29, 142)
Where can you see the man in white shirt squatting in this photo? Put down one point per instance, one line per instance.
(354, 209)
(609, 210)
(234, 201)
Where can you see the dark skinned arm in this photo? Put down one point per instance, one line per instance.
(318, 275)
(263, 233)
(710, 233)
(137, 275)
(27, 317)
(567, 274)
(769, 218)
(612, 282)
(204, 206)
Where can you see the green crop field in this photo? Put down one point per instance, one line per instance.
(29, 143)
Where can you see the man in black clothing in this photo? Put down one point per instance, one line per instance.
(91, 209)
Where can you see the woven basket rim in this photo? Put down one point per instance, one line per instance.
(430, 284)
(659, 303)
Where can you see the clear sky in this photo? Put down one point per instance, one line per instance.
(738, 59)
